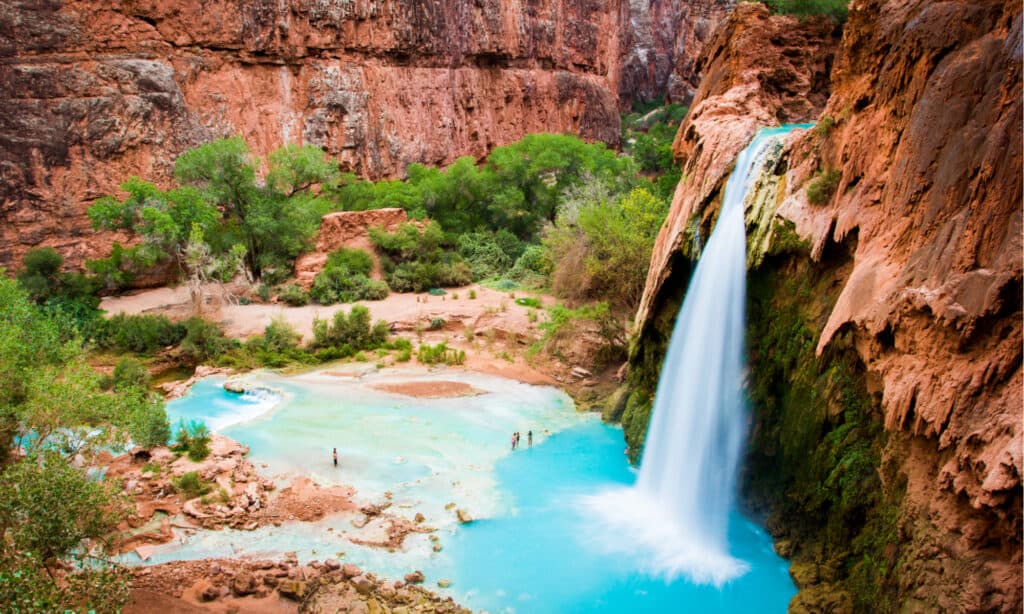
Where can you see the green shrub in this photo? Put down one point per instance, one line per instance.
(203, 341)
(472, 294)
(440, 353)
(338, 284)
(356, 261)
(360, 357)
(352, 331)
(263, 292)
(193, 438)
(280, 336)
(534, 262)
(294, 295)
(148, 424)
(529, 302)
(190, 485)
(822, 188)
(404, 355)
(128, 373)
(437, 323)
(485, 256)
(142, 334)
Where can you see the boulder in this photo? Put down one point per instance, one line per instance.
(444, 583)
(463, 516)
(292, 589)
(350, 571)
(244, 584)
(415, 577)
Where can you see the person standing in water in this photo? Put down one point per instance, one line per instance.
(513, 441)
(335, 455)
(529, 438)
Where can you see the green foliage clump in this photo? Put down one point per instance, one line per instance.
(203, 341)
(533, 267)
(128, 373)
(148, 424)
(602, 249)
(348, 333)
(338, 284)
(190, 485)
(48, 511)
(193, 438)
(823, 186)
(294, 295)
(836, 10)
(417, 259)
(218, 193)
(141, 334)
(51, 513)
(529, 302)
(440, 353)
(356, 261)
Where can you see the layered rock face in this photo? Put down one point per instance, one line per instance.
(95, 92)
(661, 42)
(923, 125)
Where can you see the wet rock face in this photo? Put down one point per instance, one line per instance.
(923, 123)
(661, 45)
(96, 92)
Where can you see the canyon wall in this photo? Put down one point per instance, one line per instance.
(661, 41)
(95, 92)
(904, 278)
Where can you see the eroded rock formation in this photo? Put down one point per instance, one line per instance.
(923, 125)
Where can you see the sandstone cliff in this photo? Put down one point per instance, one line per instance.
(660, 43)
(919, 248)
(94, 92)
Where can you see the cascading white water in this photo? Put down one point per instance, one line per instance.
(680, 506)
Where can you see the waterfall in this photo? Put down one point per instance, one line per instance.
(678, 511)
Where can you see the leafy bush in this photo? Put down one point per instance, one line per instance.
(349, 333)
(529, 302)
(280, 336)
(823, 187)
(486, 258)
(357, 261)
(338, 284)
(294, 295)
(437, 323)
(128, 373)
(191, 485)
(263, 292)
(148, 423)
(193, 438)
(533, 263)
(203, 341)
(440, 353)
(142, 334)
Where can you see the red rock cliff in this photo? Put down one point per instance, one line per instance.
(97, 91)
(925, 114)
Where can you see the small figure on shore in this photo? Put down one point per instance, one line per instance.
(529, 438)
(335, 455)
(513, 441)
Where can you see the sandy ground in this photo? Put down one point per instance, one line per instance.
(493, 330)
(497, 309)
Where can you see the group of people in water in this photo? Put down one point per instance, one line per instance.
(515, 439)
(515, 444)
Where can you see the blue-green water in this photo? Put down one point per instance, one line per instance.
(534, 547)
